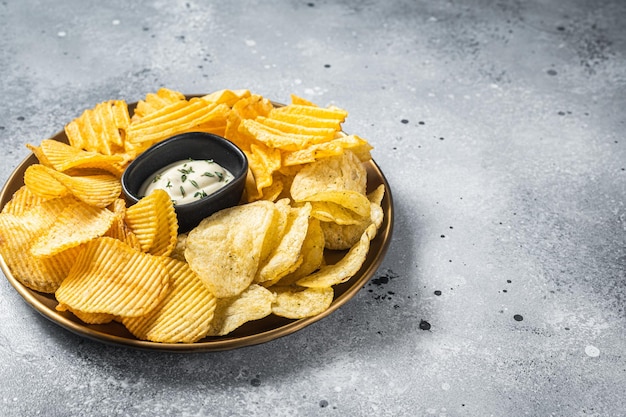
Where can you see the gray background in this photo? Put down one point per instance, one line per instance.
(500, 127)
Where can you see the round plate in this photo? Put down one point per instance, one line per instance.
(251, 333)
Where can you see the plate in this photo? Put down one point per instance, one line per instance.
(251, 333)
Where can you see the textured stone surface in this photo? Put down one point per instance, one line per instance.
(500, 127)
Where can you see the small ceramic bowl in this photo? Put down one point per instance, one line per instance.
(191, 145)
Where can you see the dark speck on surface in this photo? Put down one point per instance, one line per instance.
(404, 121)
(424, 325)
(518, 317)
(552, 72)
(323, 404)
(255, 382)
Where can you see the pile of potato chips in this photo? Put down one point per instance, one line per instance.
(67, 231)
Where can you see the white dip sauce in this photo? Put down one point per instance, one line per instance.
(188, 180)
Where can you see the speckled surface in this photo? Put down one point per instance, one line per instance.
(500, 127)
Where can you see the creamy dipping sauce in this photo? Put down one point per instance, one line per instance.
(188, 180)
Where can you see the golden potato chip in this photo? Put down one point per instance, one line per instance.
(285, 257)
(338, 173)
(329, 113)
(119, 229)
(300, 100)
(175, 118)
(22, 200)
(112, 278)
(352, 200)
(360, 147)
(263, 162)
(153, 220)
(184, 314)
(17, 234)
(226, 247)
(63, 157)
(343, 236)
(78, 223)
(228, 97)
(277, 139)
(89, 318)
(328, 211)
(312, 253)
(345, 268)
(299, 303)
(98, 190)
(40, 182)
(254, 303)
(100, 129)
(156, 101)
(246, 108)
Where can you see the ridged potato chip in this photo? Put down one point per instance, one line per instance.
(76, 224)
(225, 248)
(156, 101)
(63, 157)
(17, 234)
(22, 200)
(185, 313)
(98, 190)
(153, 221)
(299, 303)
(100, 129)
(254, 303)
(110, 277)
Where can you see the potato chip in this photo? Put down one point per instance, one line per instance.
(17, 234)
(300, 100)
(22, 200)
(184, 314)
(312, 253)
(119, 229)
(156, 101)
(175, 118)
(263, 162)
(153, 220)
(300, 303)
(41, 183)
(100, 129)
(285, 257)
(98, 190)
(228, 97)
(343, 236)
(337, 173)
(345, 268)
(76, 224)
(226, 247)
(254, 303)
(247, 108)
(353, 143)
(330, 113)
(328, 211)
(63, 157)
(110, 277)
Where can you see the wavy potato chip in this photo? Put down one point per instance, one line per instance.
(225, 248)
(76, 224)
(22, 200)
(312, 253)
(110, 277)
(254, 303)
(153, 221)
(18, 232)
(184, 314)
(100, 129)
(90, 318)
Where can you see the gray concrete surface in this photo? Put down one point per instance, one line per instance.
(500, 127)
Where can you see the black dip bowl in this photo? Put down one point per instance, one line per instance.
(191, 145)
